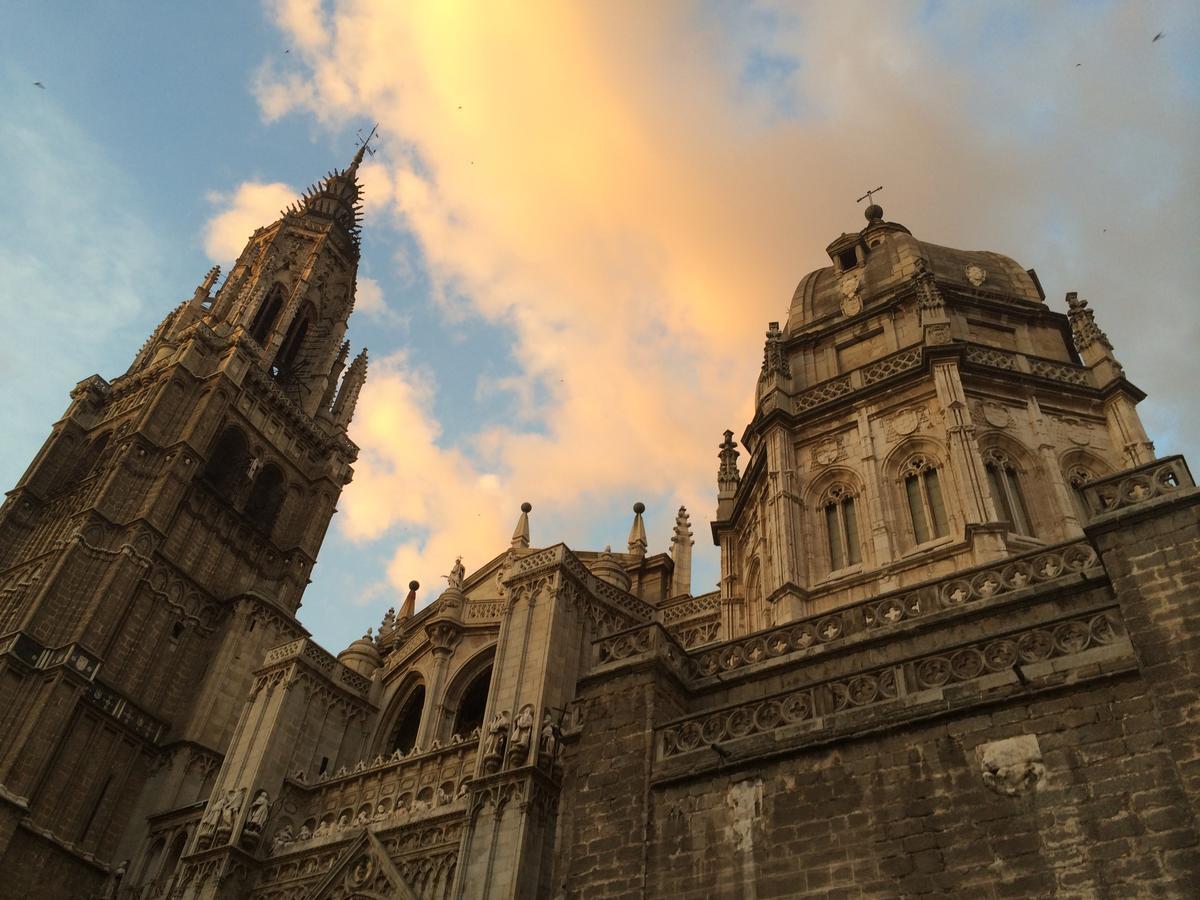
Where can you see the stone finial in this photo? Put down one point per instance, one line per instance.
(727, 475)
(775, 362)
(1084, 329)
(352, 384)
(681, 554)
(204, 289)
(637, 532)
(520, 538)
(409, 609)
(335, 372)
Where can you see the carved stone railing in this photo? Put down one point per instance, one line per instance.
(880, 613)
(691, 608)
(480, 611)
(323, 661)
(825, 392)
(891, 365)
(1057, 371)
(927, 673)
(382, 793)
(1133, 486)
(642, 642)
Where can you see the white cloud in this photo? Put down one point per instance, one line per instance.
(247, 208)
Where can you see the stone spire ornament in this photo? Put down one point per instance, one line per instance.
(681, 554)
(204, 289)
(637, 533)
(1084, 329)
(520, 538)
(775, 361)
(727, 475)
(352, 384)
(409, 609)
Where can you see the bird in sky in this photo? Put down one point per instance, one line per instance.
(1157, 36)
(39, 85)
(1077, 65)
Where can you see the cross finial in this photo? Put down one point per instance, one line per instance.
(364, 141)
(868, 195)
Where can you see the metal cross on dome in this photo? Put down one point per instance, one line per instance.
(867, 196)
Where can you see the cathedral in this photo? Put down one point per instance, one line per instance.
(950, 653)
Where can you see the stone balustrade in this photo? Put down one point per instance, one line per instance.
(1133, 486)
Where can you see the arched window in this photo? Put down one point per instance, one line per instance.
(172, 859)
(404, 735)
(266, 497)
(289, 350)
(473, 704)
(1077, 477)
(264, 319)
(150, 861)
(1003, 480)
(923, 490)
(227, 461)
(841, 527)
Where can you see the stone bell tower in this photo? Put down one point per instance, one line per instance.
(162, 539)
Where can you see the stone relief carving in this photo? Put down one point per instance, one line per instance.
(976, 274)
(906, 422)
(828, 452)
(1012, 767)
(995, 414)
(851, 286)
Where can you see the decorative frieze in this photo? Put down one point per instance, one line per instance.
(826, 392)
(881, 613)
(835, 696)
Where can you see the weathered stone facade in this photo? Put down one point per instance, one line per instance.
(950, 654)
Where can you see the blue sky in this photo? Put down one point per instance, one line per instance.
(581, 223)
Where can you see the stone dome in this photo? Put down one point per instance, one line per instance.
(361, 656)
(885, 254)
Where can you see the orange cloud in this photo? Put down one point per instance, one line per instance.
(247, 209)
(620, 193)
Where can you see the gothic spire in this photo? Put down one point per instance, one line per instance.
(681, 554)
(637, 532)
(337, 198)
(520, 538)
(727, 475)
(347, 398)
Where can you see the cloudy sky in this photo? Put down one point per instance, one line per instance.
(580, 219)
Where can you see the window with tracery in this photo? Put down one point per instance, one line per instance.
(1004, 481)
(1077, 477)
(923, 491)
(841, 527)
(404, 734)
(264, 319)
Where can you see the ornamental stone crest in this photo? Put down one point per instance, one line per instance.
(976, 274)
(827, 452)
(996, 415)
(1012, 767)
(851, 287)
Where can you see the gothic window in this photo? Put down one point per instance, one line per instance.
(923, 490)
(266, 497)
(1077, 477)
(841, 527)
(268, 312)
(289, 350)
(227, 461)
(1004, 481)
(473, 704)
(404, 735)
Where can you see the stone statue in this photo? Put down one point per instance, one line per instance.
(260, 808)
(305, 833)
(210, 821)
(457, 574)
(548, 741)
(283, 837)
(343, 821)
(323, 829)
(381, 810)
(522, 733)
(497, 737)
(229, 812)
(442, 797)
(362, 818)
(462, 791)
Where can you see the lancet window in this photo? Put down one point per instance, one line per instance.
(1077, 477)
(289, 350)
(266, 497)
(404, 735)
(1004, 481)
(923, 491)
(228, 461)
(473, 704)
(841, 527)
(268, 312)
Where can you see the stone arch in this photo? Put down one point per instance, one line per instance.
(171, 860)
(466, 695)
(264, 318)
(402, 722)
(290, 349)
(835, 505)
(923, 510)
(1013, 476)
(266, 497)
(1078, 467)
(150, 859)
(227, 460)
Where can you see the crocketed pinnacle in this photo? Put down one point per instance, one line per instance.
(337, 197)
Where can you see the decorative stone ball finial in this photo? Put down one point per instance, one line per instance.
(874, 213)
(639, 507)
(413, 585)
(526, 507)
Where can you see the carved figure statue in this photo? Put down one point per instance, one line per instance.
(522, 733)
(462, 791)
(322, 829)
(260, 808)
(305, 833)
(229, 812)
(343, 821)
(283, 837)
(442, 797)
(362, 818)
(497, 735)
(457, 575)
(381, 810)
(548, 741)
(210, 821)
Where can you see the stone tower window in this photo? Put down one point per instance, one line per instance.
(289, 351)
(848, 259)
(841, 527)
(228, 461)
(1003, 479)
(1077, 477)
(260, 327)
(923, 491)
(473, 704)
(266, 497)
